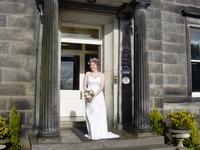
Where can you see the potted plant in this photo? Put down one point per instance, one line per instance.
(4, 131)
(180, 124)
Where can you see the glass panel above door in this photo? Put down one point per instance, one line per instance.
(91, 47)
(80, 32)
(71, 46)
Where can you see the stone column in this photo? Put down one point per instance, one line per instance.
(49, 92)
(126, 103)
(141, 72)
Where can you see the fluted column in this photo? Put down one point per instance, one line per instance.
(141, 73)
(49, 94)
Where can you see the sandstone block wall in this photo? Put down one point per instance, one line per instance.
(167, 49)
(17, 57)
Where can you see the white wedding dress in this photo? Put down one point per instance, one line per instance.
(96, 119)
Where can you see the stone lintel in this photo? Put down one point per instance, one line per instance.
(140, 3)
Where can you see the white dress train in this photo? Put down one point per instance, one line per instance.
(96, 119)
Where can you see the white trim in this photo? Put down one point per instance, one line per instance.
(88, 26)
(195, 94)
(81, 40)
(195, 60)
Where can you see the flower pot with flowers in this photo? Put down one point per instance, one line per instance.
(4, 132)
(180, 123)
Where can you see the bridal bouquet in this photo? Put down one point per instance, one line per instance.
(89, 94)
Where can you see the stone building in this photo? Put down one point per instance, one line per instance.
(149, 52)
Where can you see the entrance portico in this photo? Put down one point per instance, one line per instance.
(129, 75)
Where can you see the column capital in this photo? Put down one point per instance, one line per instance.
(140, 3)
(125, 12)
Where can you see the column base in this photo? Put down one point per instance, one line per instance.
(48, 134)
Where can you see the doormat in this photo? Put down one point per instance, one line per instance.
(80, 132)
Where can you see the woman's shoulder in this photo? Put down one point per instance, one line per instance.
(101, 74)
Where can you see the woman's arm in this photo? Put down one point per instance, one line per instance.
(101, 85)
(85, 81)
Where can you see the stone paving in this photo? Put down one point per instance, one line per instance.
(73, 139)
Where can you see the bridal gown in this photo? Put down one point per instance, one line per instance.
(96, 119)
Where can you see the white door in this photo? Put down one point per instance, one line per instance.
(76, 53)
(71, 102)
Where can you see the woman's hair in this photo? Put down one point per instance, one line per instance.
(97, 62)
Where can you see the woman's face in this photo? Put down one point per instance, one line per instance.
(93, 66)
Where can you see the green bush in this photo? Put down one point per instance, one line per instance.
(15, 128)
(177, 120)
(156, 121)
(194, 141)
(186, 120)
(4, 131)
(180, 120)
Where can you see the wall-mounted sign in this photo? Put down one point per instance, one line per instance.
(126, 80)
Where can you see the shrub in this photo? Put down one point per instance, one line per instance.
(194, 141)
(186, 120)
(15, 128)
(3, 128)
(180, 119)
(156, 121)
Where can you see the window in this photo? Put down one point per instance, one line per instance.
(70, 73)
(80, 32)
(195, 59)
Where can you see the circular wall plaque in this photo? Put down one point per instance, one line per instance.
(126, 80)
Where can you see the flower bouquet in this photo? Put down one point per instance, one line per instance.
(89, 95)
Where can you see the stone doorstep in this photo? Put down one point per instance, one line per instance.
(97, 146)
(69, 140)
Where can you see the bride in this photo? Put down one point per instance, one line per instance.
(96, 119)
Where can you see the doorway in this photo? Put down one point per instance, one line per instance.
(82, 35)
(78, 45)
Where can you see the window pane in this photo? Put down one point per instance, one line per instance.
(87, 60)
(90, 47)
(70, 70)
(195, 43)
(71, 46)
(195, 76)
(67, 69)
(80, 32)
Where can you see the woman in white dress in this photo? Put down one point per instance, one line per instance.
(96, 119)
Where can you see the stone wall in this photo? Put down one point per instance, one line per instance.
(167, 48)
(154, 41)
(17, 57)
(193, 106)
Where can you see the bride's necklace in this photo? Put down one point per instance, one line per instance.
(95, 74)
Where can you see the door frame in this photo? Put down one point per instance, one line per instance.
(110, 54)
(82, 54)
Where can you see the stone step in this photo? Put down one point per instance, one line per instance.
(114, 145)
(70, 124)
(70, 141)
(147, 147)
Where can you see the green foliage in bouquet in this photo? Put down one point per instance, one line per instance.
(15, 128)
(4, 130)
(156, 121)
